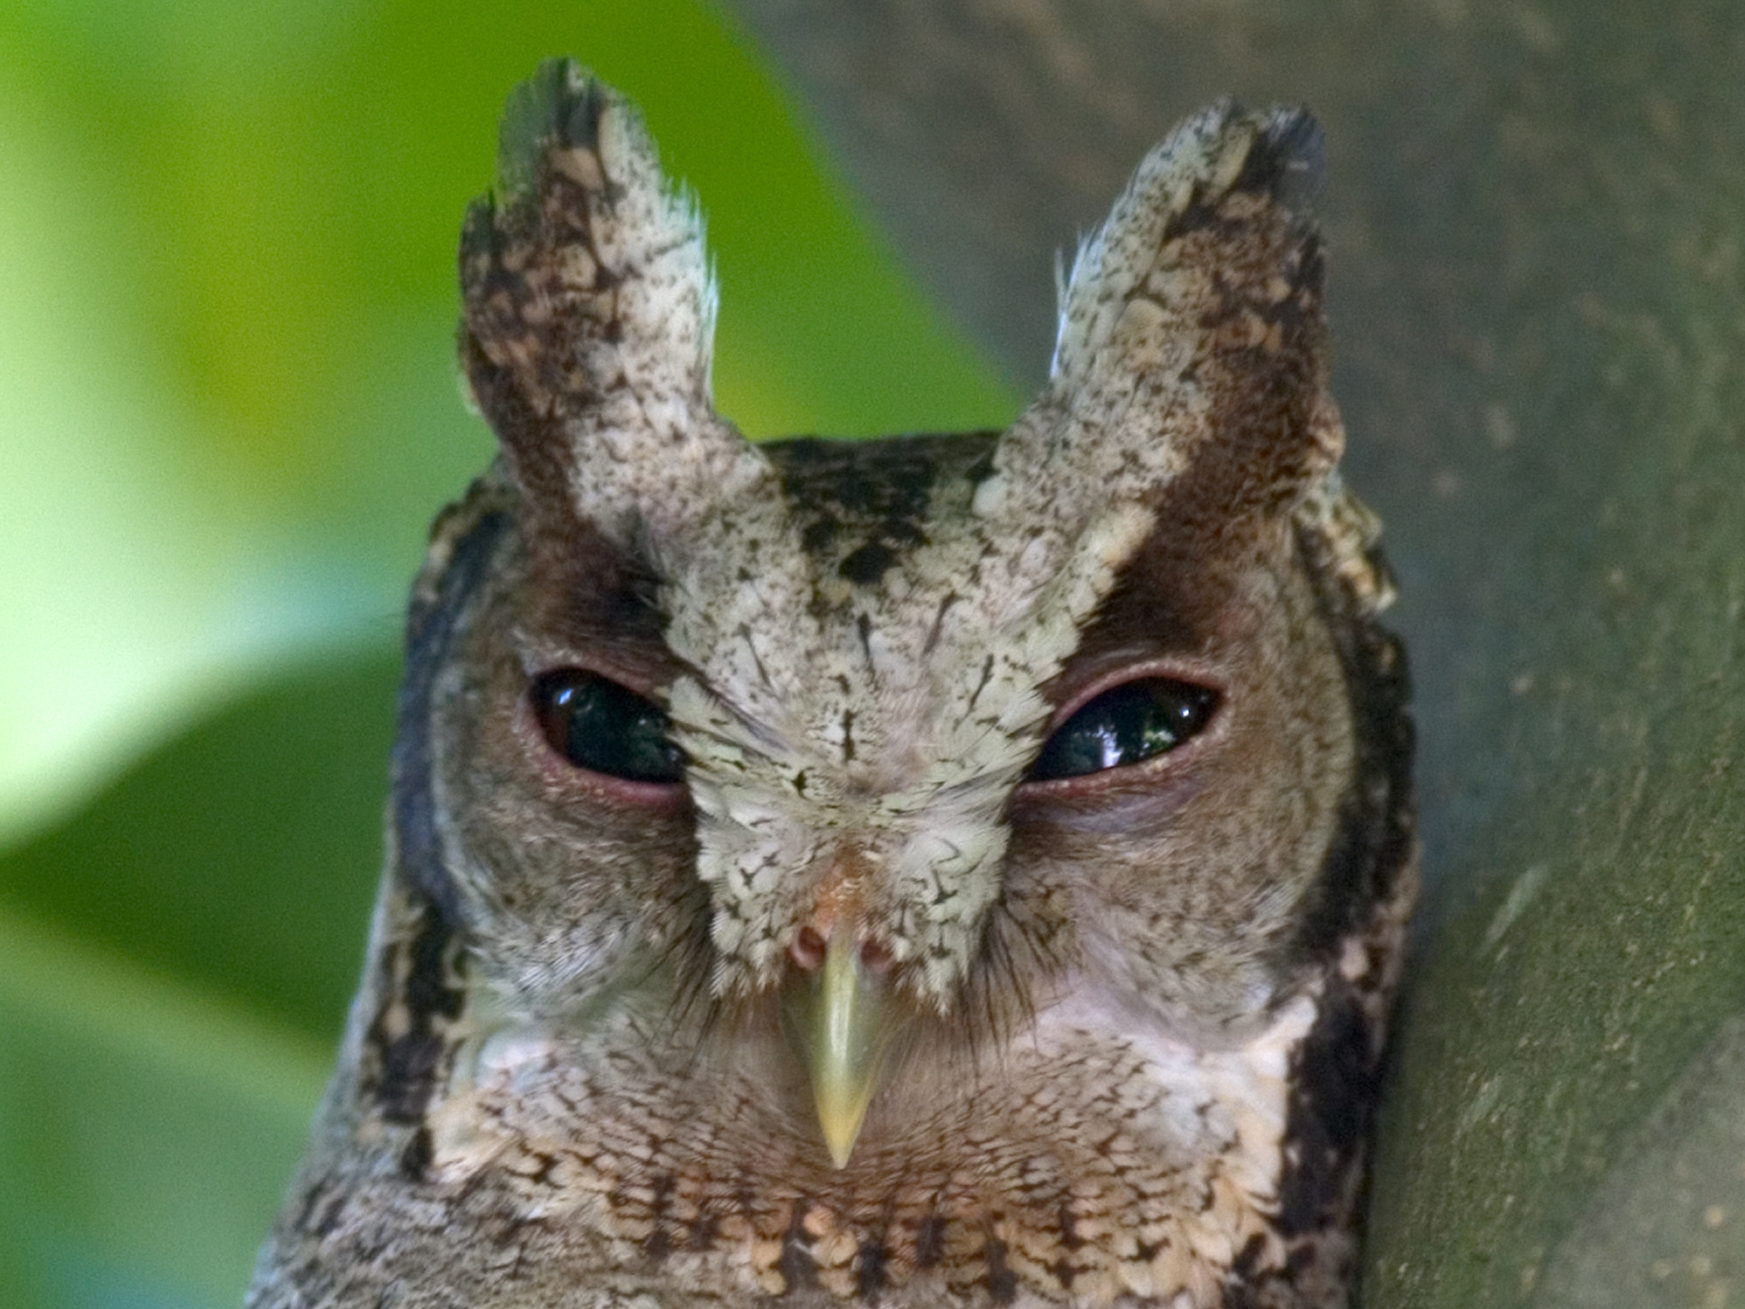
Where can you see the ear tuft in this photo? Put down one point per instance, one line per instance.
(1191, 360)
(587, 274)
(590, 310)
(1288, 161)
(1198, 176)
(558, 108)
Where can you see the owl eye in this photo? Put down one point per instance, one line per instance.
(1132, 722)
(597, 724)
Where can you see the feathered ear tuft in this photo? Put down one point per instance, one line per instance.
(1191, 351)
(590, 311)
(559, 107)
(1221, 167)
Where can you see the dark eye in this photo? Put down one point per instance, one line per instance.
(596, 724)
(1126, 725)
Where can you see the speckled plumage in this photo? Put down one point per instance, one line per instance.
(1141, 1010)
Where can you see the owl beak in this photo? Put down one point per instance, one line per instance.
(844, 1021)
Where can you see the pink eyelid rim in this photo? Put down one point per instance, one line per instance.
(562, 771)
(1174, 670)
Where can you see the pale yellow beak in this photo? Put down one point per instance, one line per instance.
(844, 1021)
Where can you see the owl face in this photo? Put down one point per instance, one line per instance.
(1129, 789)
(940, 868)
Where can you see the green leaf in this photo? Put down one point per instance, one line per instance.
(146, 1130)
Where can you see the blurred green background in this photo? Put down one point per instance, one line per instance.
(228, 409)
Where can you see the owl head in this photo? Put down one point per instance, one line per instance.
(889, 745)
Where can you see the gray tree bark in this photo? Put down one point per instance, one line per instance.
(1536, 215)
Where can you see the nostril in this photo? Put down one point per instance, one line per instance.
(876, 956)
(808, 948)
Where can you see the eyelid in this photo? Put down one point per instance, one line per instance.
(540, 657)
(1170, 667)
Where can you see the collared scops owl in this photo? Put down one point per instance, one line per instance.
(926, 872)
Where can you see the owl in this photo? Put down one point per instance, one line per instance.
(927, 872)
